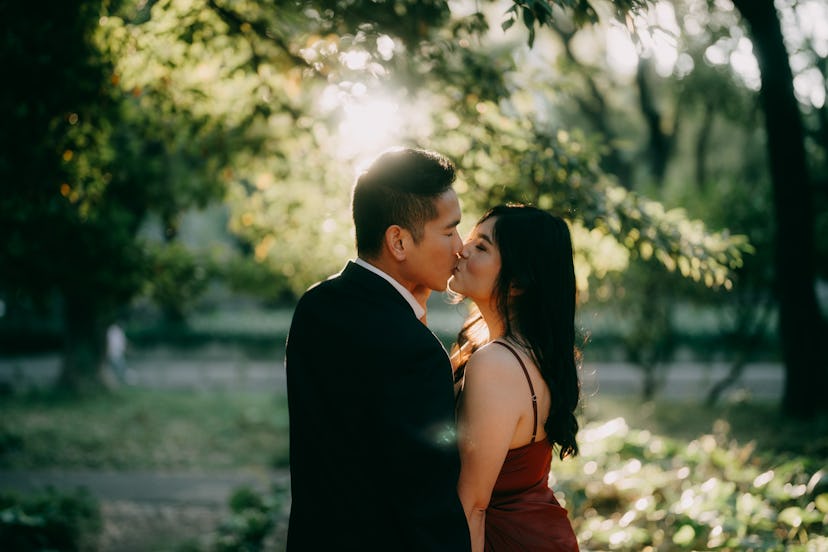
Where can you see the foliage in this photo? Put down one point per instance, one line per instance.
(271, 110)
(84, 163)
(252, 520)
(49, 520)
(180, 103)
(179, 277)
(687, 129)
(655, 479)
(64, 210)
(300, 78)
(249, 276)
(556, 171)
(649, 337)
(542, 12)
(635, 490)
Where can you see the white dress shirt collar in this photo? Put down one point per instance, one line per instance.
(419, 311)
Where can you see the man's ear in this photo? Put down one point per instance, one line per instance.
(397, 241)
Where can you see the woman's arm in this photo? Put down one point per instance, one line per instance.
(487, 420)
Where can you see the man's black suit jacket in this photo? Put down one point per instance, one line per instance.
(373, 456)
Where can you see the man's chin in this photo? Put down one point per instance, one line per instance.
(441, 286)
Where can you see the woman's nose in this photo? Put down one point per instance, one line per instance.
(464, 252)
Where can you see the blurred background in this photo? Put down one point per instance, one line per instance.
(176, 173)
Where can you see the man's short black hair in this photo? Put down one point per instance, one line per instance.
(400, 187)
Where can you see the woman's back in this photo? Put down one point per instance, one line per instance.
(523, 513)
(532, 412)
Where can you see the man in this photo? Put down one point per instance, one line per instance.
(373, 455)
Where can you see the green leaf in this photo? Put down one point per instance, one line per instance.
(528, 18)
(822, 503)
(684, 535)
(791, 515)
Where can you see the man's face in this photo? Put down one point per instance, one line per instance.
(430, 262)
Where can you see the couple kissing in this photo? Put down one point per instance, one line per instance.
(394, 444)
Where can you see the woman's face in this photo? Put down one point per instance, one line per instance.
(479, 266)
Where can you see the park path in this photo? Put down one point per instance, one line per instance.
(198, 489)
(229, 368)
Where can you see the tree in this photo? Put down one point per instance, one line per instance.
(802, 327)
(83, 166)
(56, 215)
(803, 331)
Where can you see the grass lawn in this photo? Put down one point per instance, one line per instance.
(137, 429)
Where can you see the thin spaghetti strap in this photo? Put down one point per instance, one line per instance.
(531, 387)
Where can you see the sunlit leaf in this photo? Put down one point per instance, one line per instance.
(791, 515)
(822, 503)
(684, 536)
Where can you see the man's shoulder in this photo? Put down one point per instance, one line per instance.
(353, 284)
(344, 294)
(322, 287)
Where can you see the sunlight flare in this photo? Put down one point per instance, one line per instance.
(370, 124)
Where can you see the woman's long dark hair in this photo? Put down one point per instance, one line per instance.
(536, 295)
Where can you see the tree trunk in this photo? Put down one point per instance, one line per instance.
(84, 349)
(802, 329)
(594, 106)
(702, 143)
(660, 141)
(650, 386)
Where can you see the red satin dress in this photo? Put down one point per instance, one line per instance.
(523, 514)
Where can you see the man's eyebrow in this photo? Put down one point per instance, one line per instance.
(452, 224)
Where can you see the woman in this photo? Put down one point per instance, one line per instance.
(515, 357)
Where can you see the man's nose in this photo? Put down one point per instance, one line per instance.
(458, 247)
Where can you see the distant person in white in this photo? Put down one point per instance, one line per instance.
(116, 344)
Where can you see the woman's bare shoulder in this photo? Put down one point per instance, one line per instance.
(492, 362)
(492, 384)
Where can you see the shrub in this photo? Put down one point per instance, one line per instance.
(49, 521)
(252, 520)
(632, 490)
